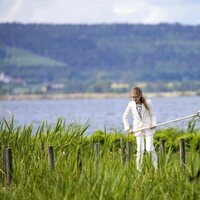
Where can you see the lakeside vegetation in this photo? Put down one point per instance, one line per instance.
(95, 178)
(57, 96)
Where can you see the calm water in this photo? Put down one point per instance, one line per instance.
(100, 112)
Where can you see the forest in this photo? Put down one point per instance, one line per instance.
(90, 58)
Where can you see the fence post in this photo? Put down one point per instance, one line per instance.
(51, 157)
(97, 149)
(8, 165)
(123, 151)
(182, 152)
(162, 146)
(79, 161)
(4, 165)
(97, 153)
(42, 148)
(129, 150)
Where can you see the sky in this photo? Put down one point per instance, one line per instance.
(185, 12)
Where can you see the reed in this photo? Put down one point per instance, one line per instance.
(33, 179)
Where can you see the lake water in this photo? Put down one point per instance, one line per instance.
(100, 112)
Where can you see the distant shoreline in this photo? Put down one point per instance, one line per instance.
(93, 95)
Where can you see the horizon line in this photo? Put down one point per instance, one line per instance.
(100, 23)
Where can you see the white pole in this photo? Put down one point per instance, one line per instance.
(167, 122)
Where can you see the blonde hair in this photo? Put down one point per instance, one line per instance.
(138, 91)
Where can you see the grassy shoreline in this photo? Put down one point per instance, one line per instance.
(79, 172)
(93, 95)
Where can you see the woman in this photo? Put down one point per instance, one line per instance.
(143, 116)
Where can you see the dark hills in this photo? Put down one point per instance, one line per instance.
(89, 56)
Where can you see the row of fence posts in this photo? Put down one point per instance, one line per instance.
(126, 152)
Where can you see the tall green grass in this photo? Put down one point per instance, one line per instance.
(105, 179)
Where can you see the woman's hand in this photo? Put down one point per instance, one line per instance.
(129, 131)
(152, 127)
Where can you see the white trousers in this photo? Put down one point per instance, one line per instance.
(140, 140)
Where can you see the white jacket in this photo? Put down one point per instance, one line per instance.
(148, 118)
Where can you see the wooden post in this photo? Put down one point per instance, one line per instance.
(97, 153)
(97, 149)
(129, 150)
(123, 151)
(79, 161)
(182, 152)
(4, 166)
(51, 157)
(8, 165)
(162, 146)
(42, 148)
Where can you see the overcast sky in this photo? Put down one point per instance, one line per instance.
(101, 11)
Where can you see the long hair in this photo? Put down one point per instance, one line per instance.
(138, 91)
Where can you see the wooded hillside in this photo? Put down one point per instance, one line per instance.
(92, 56)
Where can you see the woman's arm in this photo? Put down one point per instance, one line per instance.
(152, 114)
(125, 117)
